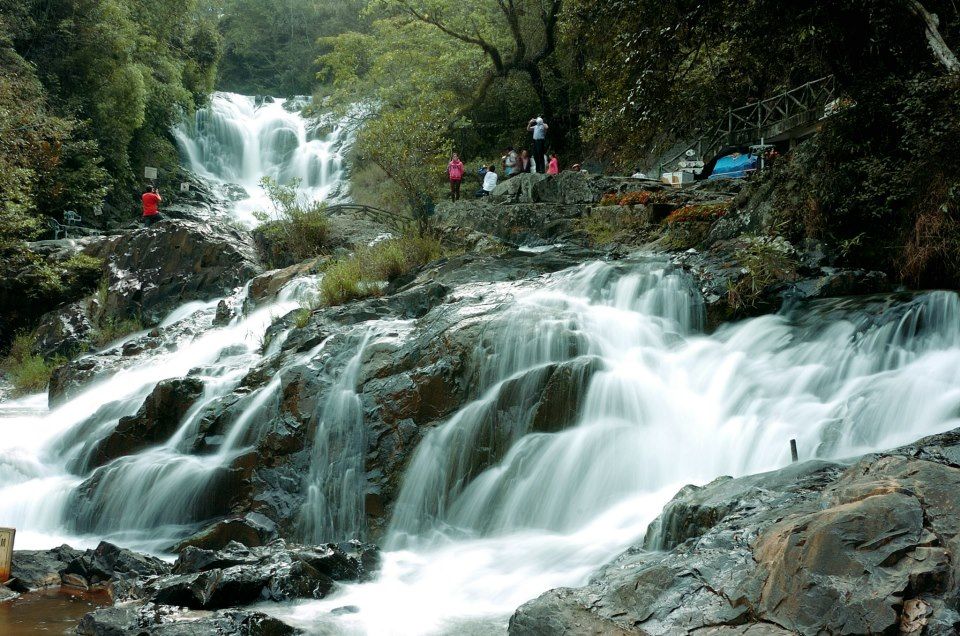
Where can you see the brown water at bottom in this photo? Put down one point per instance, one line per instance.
(53, 611)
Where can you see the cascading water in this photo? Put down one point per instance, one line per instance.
(513, 494)
(141, 499)
(495, 510)
(238, 139)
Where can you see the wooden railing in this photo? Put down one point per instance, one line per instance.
(800, 106)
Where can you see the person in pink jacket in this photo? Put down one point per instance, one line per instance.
(554, 166)
(455, 172)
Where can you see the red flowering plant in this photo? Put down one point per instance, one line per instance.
(610, 198)
(700, 213)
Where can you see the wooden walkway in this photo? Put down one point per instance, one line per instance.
(784, 116)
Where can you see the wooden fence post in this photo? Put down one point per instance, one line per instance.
(6, 552)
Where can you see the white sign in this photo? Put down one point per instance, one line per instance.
(6, 552)
(149, 173)
(184, 187)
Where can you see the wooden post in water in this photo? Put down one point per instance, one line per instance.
(6, 552)
(793, 450)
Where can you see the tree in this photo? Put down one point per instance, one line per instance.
(513, 35)
(271, 47)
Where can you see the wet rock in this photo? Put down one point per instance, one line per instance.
(814, 548)
(153, 620)
(238, 575)
(109, 564)
(155, 270)
(252, 530)
(569, 188)
(35, 569)
(518, 223)
(6, 594)
(156, 420)
(224, 314)
(562, 397)
(266, 286)
(64, 332)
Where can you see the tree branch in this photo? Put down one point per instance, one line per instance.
(492, 52)
(937, 44)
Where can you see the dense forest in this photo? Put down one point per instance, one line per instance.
(90, 89)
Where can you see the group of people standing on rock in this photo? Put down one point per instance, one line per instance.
(511, 163)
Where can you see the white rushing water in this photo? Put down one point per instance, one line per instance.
(493, 513)
(498, 503)
(238, 140)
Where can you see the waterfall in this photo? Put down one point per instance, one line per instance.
(335, 485)
(594, 395)
(497, 505)
(237, 139)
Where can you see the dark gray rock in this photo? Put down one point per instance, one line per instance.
(156, 420)
(155, 270)
(252, 529)
(35, 569)
(107, 564)
(815, 548)
(238, 575)
(135, 619)
(65, 332)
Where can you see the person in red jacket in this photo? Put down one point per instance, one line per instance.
(151, 206)
(455, 172)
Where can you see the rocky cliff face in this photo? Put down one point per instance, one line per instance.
(815, 548)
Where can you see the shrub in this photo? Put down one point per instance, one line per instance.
(603, 228)
(701, 213)
(365, 272)
(295, 230)
(28, 372)
(641, 197)
(637, 197)
(82, 272)
(767, 261)
(110, 329)
(343, 281)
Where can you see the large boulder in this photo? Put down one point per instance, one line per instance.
(237, 575)
(35, 569)
(65, 332)
(110, 567)
(157, 269)
(816, 548)
(158, 620)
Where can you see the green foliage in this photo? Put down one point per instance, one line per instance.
(343, 281)
(410, 145)
(369, 269)
(444, 75)
(110, 329)
(766, 261)
(270, 48)
(665, 70)
(295, 229)
(128, 69)
(28, 372)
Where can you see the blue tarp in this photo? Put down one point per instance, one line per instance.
(734, 167)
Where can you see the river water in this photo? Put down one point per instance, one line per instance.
(469, 541)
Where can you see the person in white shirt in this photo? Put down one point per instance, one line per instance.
(539, 129)
(489, 181)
